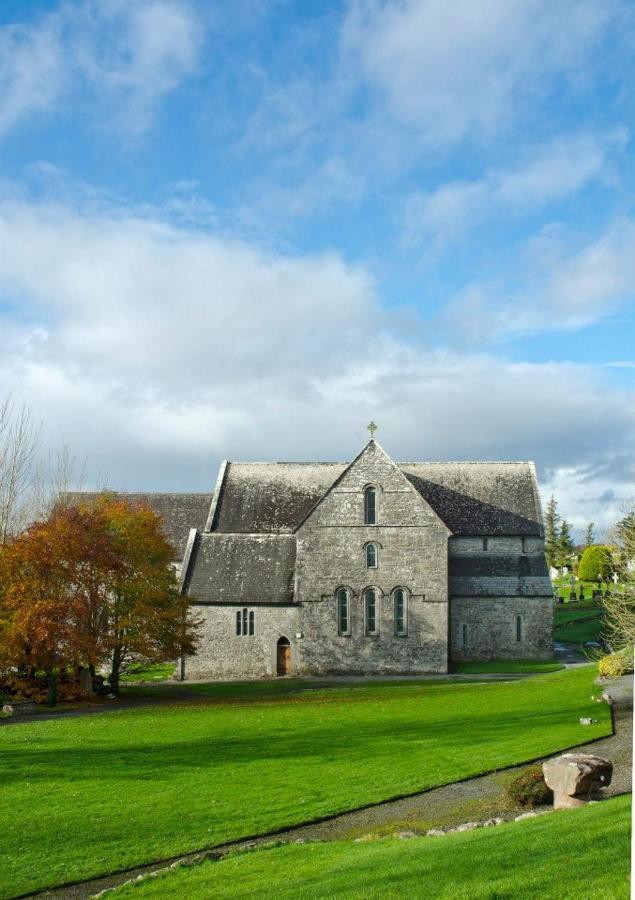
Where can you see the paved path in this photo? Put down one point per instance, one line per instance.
(475, 799)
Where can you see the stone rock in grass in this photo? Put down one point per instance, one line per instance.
(495, 821)
(527, 815)
(404, 835)
(587, 720)
(19, 708)
(467, 826)
(435, 832)
(575, 778)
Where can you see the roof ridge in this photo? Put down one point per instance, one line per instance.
(464, 462)
(406, 462)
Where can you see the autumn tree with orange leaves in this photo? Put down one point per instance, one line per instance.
(90, 586)
(147, 616)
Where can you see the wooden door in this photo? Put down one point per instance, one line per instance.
(284, 659)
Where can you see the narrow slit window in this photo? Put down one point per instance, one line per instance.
(371, 556)
(370, 506)
(401, 613)
(485, 544)
(370, 599)
(343, 613)
(245, 625)
(519, 628)
(252, 622)
(239, 622)
(464, 635)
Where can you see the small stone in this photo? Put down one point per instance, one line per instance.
(527, 815)
(435, 832)
(300, 841)
(468, 826)
(404, 835)
(494, 821)
(587, 720)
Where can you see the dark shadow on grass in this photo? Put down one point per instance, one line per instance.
(461, 739)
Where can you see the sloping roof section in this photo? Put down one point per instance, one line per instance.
(178, 512)
(242, 568)
(487, 498)
(479, 498)
(270, 498)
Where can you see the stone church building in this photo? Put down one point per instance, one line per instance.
(368, 567)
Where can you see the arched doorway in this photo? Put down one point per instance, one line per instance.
(284, 657)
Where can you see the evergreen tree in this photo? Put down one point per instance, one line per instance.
(565, 543)
(588, 538)
(552, 520)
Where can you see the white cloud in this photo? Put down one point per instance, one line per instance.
(547, 174)
(155, 351)
(451, 69)
(564, 286)
(128, 56)
(32, 73)
(588, 494)
(134, 53)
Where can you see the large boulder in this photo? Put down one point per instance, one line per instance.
(576, 778)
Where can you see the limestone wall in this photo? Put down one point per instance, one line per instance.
(223, 654)
(412, 545)
(491, 628)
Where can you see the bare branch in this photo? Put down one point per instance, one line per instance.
(19, 443)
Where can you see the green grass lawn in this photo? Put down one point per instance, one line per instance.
(511, 667)
(563, 854)
(577, 626)
(147, 672)
(89, 795)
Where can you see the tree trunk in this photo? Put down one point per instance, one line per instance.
(117, 659)
(52, 692)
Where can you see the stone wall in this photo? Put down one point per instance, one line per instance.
(492, 581)
(223, 654)
(491, 628)
(412, 545)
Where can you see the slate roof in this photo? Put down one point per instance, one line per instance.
(472, 498)
(271, 498)
(480, 498)
(242, 568)
(178, 512)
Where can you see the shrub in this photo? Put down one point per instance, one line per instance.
(595, 561)
(15, 686)
(615, 664)
(529, 789)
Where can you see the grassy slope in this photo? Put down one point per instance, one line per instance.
(85, 796)
(577, 626)
(557, 855)
(147, 672)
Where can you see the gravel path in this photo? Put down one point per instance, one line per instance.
(475, 799)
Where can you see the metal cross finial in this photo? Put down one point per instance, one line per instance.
(372, 428)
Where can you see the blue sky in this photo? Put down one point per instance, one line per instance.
(245, 229)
